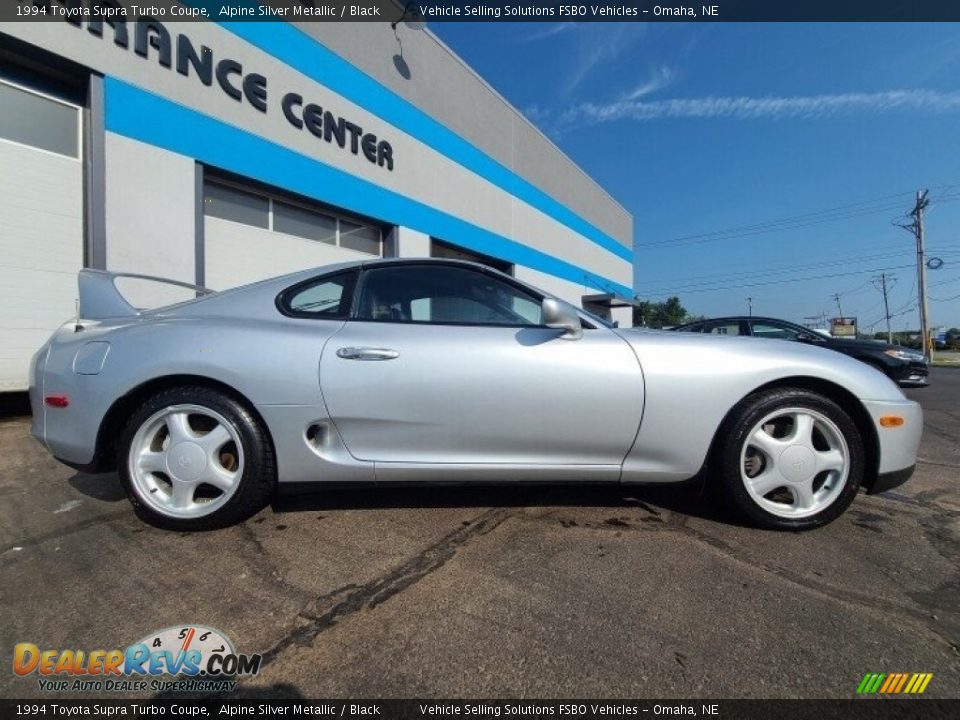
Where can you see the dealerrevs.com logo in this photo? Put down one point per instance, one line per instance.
(198, 658)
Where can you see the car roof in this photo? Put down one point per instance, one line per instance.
(274, 285)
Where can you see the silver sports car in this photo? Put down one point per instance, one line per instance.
(446, 371)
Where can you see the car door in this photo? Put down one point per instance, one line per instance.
(450, 364)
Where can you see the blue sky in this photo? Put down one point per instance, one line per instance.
(758, 160)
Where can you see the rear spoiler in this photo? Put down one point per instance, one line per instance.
(100, 298)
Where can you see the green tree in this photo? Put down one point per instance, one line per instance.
(668, 313)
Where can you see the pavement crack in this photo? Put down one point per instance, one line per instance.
(351, 599)
(65, 530)
(677, 523)
(952, 466)
(871, 603)
(260, 563)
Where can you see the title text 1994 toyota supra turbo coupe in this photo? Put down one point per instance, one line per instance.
(440, 370)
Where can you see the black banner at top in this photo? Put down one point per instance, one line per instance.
(261, 703)
(414, 14)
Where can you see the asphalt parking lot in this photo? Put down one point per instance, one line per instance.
(502, 592)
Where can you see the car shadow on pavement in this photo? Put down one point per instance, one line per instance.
(102, 486)
(683, 498)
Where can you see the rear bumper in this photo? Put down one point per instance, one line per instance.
(890, 480)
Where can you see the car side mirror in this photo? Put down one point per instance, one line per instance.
(560, 315)
(808, 338)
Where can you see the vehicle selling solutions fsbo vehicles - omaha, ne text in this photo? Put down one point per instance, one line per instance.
(449, 371)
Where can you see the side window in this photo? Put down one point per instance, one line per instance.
(444, 294)
(727, 327)
(773, 331)
(695, 328)
(326, 298)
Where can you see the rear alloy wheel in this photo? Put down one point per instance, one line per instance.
(194, 459)
(790, 459)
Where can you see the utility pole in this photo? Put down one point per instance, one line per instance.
(916, 228)
(750, 306)
(836, 298)
(886, 305)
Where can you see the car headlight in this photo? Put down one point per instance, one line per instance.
(906, 355)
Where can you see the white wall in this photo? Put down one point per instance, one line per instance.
(410, 243)
(41, 250)
(150, 217)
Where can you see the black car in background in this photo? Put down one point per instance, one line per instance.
(905, 367)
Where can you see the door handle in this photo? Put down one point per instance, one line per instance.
(366, 353)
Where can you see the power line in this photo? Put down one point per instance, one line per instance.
(785, 280)
(714, 278)
(761, 229)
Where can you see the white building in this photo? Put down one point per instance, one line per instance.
(219, 154)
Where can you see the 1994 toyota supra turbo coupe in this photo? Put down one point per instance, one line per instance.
(441, 370)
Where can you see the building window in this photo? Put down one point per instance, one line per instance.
(39, 121)
(228, 201)
(303, 223)
(231, 204)
(440, 249)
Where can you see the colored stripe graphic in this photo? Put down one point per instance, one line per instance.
(894, 683)
(900, 683)
(144, 116)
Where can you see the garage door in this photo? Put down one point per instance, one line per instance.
(251, 234)
(41, 223)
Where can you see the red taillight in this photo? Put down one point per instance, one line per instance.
(57, 401)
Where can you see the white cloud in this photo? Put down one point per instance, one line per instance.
(549, 30)
(600, 46)
(633, 107)
(661, 78)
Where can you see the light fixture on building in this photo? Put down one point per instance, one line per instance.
(412, 18)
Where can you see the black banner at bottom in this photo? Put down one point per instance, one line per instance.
(859, 709)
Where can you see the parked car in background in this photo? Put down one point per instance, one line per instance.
(906, 367)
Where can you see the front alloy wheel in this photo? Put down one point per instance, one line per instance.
(790, 459)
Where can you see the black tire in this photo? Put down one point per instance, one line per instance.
(257, 482)
(733, 433)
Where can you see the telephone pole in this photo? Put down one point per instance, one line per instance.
(886, 305)
(750, 306)
(916, 228)
(836, 298)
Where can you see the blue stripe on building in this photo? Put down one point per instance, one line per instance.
(141, 115)
(305, 54)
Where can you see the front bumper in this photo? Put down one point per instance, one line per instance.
(912, 375)
(890, 480)
(898, 445)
